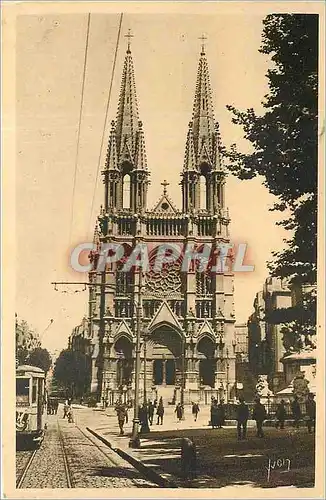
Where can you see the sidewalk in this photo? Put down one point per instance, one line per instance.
(222, 459)
(104, 424)
(157, 447)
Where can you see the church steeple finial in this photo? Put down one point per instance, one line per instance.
(129, 35)
(127, 115)
(203, 114)
(126, 174)
(202, 38)
(202, 174)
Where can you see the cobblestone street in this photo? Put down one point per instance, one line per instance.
(69, 457)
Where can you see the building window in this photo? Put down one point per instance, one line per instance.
(126, 191)
(203, 192)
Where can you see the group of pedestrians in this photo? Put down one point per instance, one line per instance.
(259, 414)
(296, 411)
(53, 405)
(217, 414)
(146, 413)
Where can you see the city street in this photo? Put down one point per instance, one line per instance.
(71, 456)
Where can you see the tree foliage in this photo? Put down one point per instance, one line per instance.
(284, 142)
(28, 347)
(284, 139)
(72, 371)
(41, 358)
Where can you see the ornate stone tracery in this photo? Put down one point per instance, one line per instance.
(164, 283)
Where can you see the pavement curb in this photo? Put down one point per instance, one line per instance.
(147, 471)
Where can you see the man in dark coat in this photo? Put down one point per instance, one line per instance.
(150, 412)
(160, 412)
(121, 414)
(195, 410)
(214, 414)
(296, 411)
(311, 412)
(179, 411)
(259, 414)
(280, 415)
(220, 414)
(242, 415)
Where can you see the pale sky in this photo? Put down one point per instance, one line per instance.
(165, 48)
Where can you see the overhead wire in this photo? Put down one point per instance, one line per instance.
(105, 122)
(79, 127)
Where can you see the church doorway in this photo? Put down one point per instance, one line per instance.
(166, 355)
(158, 372)
(170, 372)
(164, 372)
(207, 364)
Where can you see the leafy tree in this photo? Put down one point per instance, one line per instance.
(72, 371)
(284, 142)
(26, 341)
(41, 358)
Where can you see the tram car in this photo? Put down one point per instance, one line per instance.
(31, 401)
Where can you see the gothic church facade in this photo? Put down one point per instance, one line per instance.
(186, 319)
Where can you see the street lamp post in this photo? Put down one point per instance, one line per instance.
(134, 440)
(182, 377)
(145, 333)
(145, 426)
(227, 375)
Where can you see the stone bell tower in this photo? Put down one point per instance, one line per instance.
(187, 316)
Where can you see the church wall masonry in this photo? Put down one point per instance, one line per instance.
(185, 300)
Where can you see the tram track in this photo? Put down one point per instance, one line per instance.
(25, 469)
(99, 468)
(70, 483)
(69, 457)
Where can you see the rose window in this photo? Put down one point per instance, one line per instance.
(164, 282)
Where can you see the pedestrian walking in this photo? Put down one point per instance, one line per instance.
(296, 411)
(311, 412)
(65, 408)
(220, 414)
(179, 411)
(126, 412)
(70, 415)
(121, 414)
(160, 412)
(150, 412)
(242, 415)
(259, 414)
(214, 414)
(195, 410)
(280, 415)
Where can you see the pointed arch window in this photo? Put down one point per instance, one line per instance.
(202, 192)
(126, 191)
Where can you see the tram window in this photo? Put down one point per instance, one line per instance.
(22, 389)
(34, 390)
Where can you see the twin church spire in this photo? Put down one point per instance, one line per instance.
(126, 162)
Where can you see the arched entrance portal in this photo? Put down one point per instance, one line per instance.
(207, 364)
(123, 350)
(166, 348)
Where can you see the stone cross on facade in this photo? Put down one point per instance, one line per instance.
(165, 184)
